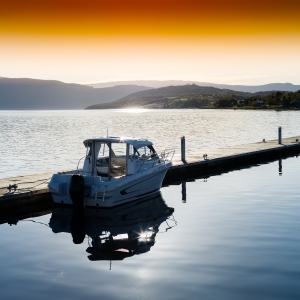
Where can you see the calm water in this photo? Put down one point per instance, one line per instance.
(40, 141)
(236, 237)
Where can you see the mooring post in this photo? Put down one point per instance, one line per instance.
(183, 149)
(183, 191)
(279, 135)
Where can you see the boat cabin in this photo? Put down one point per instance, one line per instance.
(116, 157)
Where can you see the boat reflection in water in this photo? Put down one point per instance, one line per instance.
(118, 232)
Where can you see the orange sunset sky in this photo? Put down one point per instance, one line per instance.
(220, 41)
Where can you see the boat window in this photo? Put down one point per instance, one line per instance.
(143, 152)
(146, 152)
(152, 151)
(133, 152)
(101, 150)
(89, 149)
(102, 158)
(118, 159)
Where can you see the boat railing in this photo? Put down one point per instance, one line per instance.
(165, 156)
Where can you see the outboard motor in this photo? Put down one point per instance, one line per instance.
(76, 190)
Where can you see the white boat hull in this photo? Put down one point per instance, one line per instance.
(136, 216)
(111, 193)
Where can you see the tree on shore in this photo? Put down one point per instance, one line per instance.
(225, 102)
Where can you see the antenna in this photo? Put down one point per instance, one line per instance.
(107, 132)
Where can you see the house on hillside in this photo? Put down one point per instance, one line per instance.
(295, 103)
(260, 101)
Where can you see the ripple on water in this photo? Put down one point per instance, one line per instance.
(40, 141)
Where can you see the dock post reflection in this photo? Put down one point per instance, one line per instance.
(280, 166)
(183, 191)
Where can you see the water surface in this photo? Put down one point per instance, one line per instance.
(236, 237)
(40, 141)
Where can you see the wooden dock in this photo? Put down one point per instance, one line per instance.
(32, 190)
(230, 158)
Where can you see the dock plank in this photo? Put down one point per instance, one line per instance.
(243, 149)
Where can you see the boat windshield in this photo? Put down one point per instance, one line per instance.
(145, 152)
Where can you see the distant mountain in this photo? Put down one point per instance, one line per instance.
(23, 93)
(243, 88)
(286, 87)
(183, 90)
(28, 94)
(173, 97)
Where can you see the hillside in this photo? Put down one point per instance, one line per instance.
(243, 88)
(49, 94)
(172, 97)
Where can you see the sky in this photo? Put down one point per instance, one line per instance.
(220, 41)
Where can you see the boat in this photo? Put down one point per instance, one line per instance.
(115, 171)
(118, 232)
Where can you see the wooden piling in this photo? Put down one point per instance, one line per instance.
(279, 135)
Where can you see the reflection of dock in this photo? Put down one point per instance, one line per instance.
(33, 188)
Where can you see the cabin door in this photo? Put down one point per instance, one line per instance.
(118, 159)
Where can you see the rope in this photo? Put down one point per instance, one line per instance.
(79, 161)
(35, 222)
(46, 180)
(13, 188)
